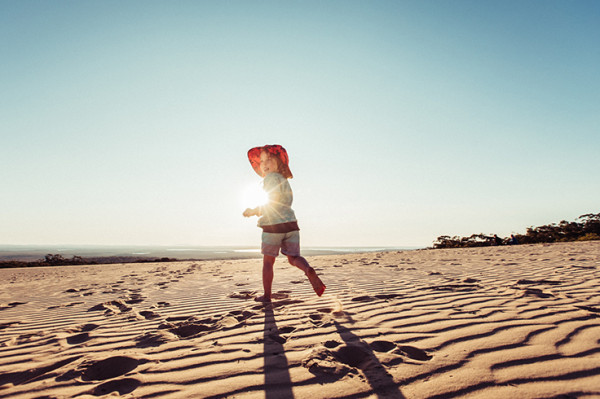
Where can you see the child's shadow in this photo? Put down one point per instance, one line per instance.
(381, 381)
(278, 383)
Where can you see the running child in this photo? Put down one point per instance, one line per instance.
(277, 218)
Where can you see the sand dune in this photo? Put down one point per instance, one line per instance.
(499, 322)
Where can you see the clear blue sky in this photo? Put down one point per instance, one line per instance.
(128, 122)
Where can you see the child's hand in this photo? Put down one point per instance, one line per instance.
(249, 212)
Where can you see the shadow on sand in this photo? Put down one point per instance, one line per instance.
(278, 383)
(358, 354)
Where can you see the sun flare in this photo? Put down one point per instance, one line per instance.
(253, 196)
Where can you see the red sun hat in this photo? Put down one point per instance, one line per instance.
(275, 150)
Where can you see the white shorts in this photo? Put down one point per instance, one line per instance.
(289, 243)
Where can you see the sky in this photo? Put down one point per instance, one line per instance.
(126, 123)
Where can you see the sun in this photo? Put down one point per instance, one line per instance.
(253, 195)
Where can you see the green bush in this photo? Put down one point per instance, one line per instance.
(589, 237)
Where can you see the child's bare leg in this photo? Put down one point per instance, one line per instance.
(303, 265)
(299, 262)
(267, 275)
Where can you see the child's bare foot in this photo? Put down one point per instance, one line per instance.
(262, 298)
(315, 281)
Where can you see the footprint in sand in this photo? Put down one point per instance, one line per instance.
(109, 368)
(413, 353)
(101, 370)
(537, 293)
(78, 339)
(123, 386)
(354, 354)
(149, 315)
(320, 319)
(88, 327)
(243, 295)
(382, 346)
(281, 295)
(134, 298)
(337, 359)
(287, 330)
(80, 291)
(315, 317)
(112, 307)
(241, 315)
(82, 334)
(322, 361)
(189, 327)
(153, 339)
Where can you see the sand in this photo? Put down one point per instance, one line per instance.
(496, 322)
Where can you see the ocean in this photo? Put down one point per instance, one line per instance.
(29, 253)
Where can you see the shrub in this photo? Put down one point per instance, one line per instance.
(588, 228)
(589, 237)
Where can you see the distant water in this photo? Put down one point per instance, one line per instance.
(35, 252)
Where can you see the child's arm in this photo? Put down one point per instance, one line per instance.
(252, 212)
(271, 186)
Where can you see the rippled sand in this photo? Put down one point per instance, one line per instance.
(499, 322)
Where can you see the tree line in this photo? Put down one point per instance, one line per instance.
(584, 228)
(59, 260)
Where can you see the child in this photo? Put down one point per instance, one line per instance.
(277, 219)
